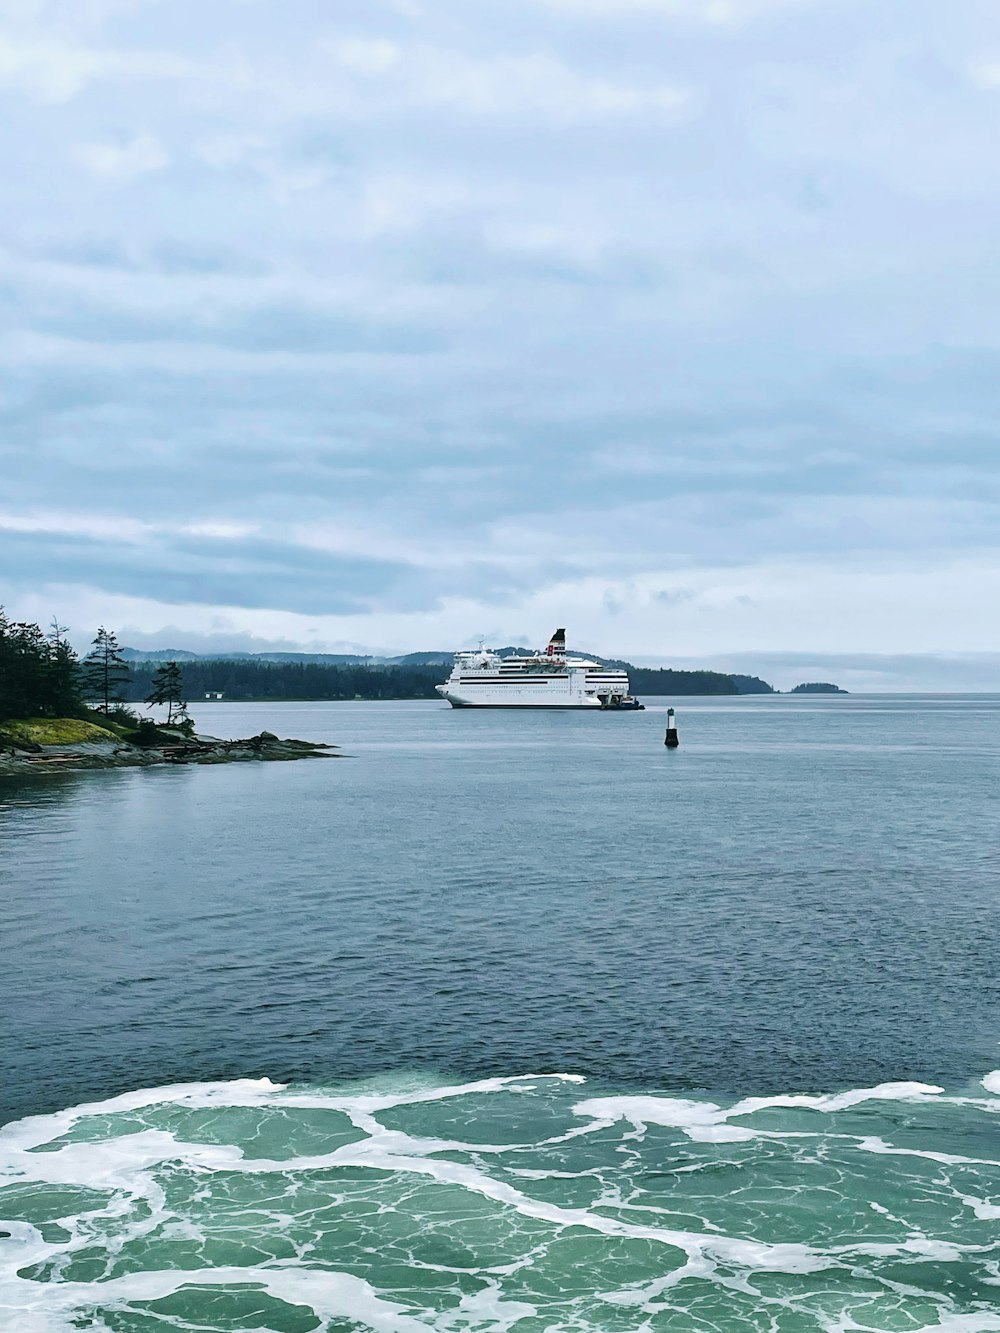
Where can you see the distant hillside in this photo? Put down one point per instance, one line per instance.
(752, 685)
(413, 676)
(418, 659)
(662, 681)
(182, 655)
(158, 655)
(309, 659)
(237, 679)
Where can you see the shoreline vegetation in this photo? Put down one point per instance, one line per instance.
(262, 681)
(58, 713)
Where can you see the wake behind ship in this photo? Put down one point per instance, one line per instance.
(484, 679)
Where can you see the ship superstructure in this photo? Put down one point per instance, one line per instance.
(484, 679)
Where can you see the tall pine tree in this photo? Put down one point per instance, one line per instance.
(168, 688)
(64, 672)
(10, 686)
(105, 671)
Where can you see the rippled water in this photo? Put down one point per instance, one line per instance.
(522, 1204)
(724, 942)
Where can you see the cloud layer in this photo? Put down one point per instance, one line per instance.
(393, 324)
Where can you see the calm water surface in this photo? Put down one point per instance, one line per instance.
(800, 906)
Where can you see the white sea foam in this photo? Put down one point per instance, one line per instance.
(124, 1164)
(38, 1129)
(923, 1247)
(840, 1101)
(488, 1308)
(979, 1322)
(330, 1295)
(388, 1101)
(132, 1172)
(873, 1144)
(705, 1122)
(986, 1212)
(992, 1082)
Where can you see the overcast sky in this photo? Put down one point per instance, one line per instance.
(388, 324)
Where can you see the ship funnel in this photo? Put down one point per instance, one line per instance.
(557, 644)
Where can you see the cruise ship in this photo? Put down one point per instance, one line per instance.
(484, 679)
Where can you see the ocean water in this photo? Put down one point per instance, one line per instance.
(511, 1023)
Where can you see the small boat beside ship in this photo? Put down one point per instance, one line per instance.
(484, 679)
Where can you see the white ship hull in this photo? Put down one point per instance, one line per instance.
(550, 680)
(470, 700)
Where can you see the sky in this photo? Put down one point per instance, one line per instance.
(389, 325)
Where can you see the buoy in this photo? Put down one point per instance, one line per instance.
(670, 740)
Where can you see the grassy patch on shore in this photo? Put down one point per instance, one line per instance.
(57, 731)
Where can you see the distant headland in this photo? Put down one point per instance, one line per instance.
(59, 713)
(58, 710)
(256, 677)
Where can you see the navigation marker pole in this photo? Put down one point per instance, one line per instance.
(670, 740)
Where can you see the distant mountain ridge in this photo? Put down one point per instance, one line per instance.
(159, 655)
(319, 659)
(206, 671)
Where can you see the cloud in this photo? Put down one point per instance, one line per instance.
(56, 72)
(987, 75)
(136, 156)
(283, 324)
(879, 673)
(527, 85)
(713, 13)
(673, 321)
(50, 74)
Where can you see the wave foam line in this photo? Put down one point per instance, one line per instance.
(980, 1322)
(123, 1165)
(705, 1122)
(328, 1294)
(33, 1131)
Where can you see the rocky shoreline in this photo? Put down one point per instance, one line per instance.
(18, 756)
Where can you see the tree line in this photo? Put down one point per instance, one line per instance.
(665, 682)
(244, 680)
(42, 675)
(248, 680)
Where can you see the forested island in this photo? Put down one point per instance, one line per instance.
(817, 687)
(57, 711)
(249, 679)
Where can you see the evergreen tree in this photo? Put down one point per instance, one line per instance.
(64, 673)
(168, 688)
(105, 671)
(38, 673)
(23, 669)
(9, 696)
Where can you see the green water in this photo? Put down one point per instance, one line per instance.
(528, 1204)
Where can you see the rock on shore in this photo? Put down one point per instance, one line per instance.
(19, 756)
